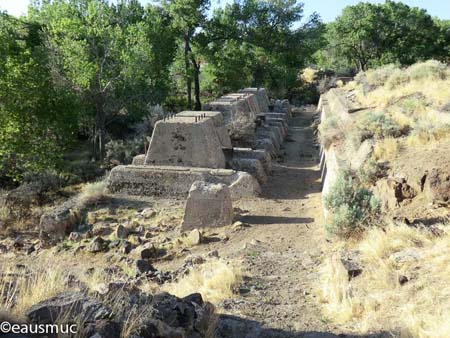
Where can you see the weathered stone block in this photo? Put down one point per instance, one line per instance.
(258, 154)
(251, 166)
(185, 141)
(208, 205)
(266, 144)
(219, 123)
(261, 95)
(175, 182)
(138, 160)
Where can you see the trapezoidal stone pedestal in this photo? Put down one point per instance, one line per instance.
(219, 123)
(208, 205)
(186, 142)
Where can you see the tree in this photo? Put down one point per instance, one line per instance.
(37, 120)
(116, 57)
(373, 34)
(189, 17)
(244, 27)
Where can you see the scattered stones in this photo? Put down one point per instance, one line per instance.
(403, 280)
(101, 229)
(65, 305)
(126, 248)
(149, 252)
(208, 205)
(350, 261)
(142, 267)
(148, 213)
(195, 237)
(59, 222)
(3, 249)
(122, 232)
(98, 244)
(406, 255)
(75, 237)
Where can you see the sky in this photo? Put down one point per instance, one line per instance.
(328, 9)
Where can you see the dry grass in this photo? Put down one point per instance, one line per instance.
(45, 280)
(386, 149)
(375, 300)
(91, 193)
(431, 79)
(214, 280)
(309, 75)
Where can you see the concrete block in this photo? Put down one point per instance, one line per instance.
(175, 182)
(258, 154)
(261, 95)
(208, 205)
(219, 123)
(251, 166)
(185, 141)
(138, 160)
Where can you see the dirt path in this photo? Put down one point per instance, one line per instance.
(281, 251)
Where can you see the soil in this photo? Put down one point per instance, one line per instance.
(281, 250)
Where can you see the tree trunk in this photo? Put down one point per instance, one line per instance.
(100, 122)
(198, 104)
(187, 48)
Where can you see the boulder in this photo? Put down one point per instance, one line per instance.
(142, 267)
(98, 244)
(68, 305)
(59, 222)
(122, 232)
(437, 186)
(208, 205)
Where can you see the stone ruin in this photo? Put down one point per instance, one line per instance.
(230, 143)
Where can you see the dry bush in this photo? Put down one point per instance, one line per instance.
(91, 193)
(309, 75)
(386, 149)
(331, 130)
(429, 70)
(214, 280)
(375, 300)
(427, 131)
(379, 76)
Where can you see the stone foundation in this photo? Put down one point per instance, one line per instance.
(175, 182)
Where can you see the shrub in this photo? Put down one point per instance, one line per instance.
(331, 130)
(123, 151)
(379, 76)
(92, 193)
(397, 78)
(427, 131)
(431, 69)
(352, 207)
(309, 75)
(386, 149)
(377, 125)
(369, 172)
(414, 104)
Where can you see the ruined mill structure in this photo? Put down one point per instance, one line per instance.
(228, 147)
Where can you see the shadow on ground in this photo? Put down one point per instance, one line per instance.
(275, 220)
(235, 327)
